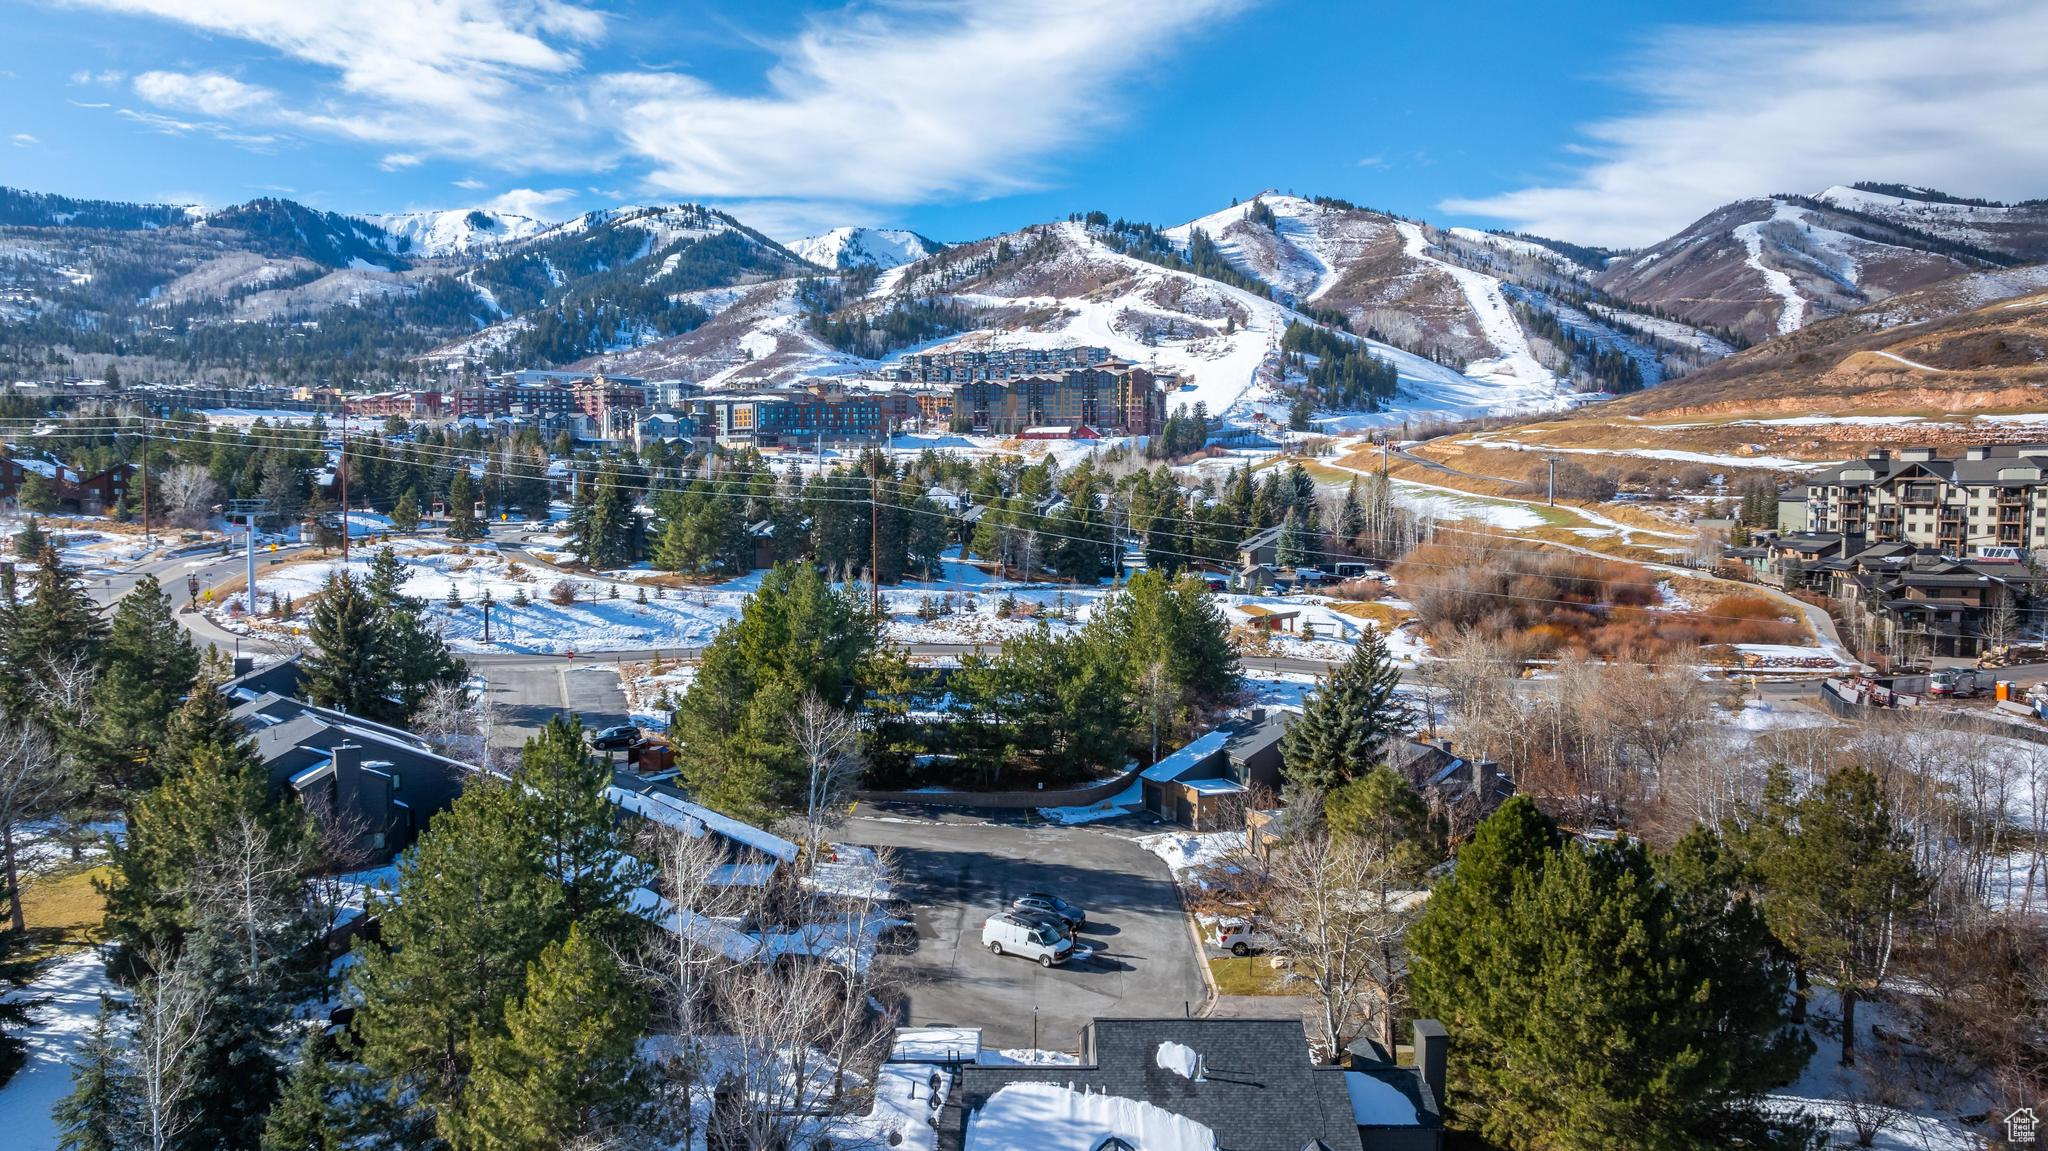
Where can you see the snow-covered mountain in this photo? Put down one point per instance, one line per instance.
(1767, 266)
(882, 248)
(457, 232)
(2016, 230)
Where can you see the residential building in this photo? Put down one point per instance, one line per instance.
(378, 784)
(1208, 784)
(1993, 497)
(748, 856)
(962, 365)
(1222, 1084)
(1112, 397)
(97, 494)
(794, 418)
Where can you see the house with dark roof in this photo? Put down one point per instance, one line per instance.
(749, 856)
(1198, 1085)
(1207, 784)
(379, 783)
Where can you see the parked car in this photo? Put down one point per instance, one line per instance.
(1236, 935)
(617, 738)
(1047, 904)
(1007, 934)
(1054, 923)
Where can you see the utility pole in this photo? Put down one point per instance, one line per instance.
(342, 474)
(1552, 461)
(874, 543)
(145, 477)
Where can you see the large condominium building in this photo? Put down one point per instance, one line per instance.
(1114, 397)
(968, 364)
(1993, 497)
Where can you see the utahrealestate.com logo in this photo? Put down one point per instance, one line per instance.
(2022, 1126)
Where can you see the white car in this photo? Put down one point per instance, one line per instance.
(1007, 934)
(1237, 936)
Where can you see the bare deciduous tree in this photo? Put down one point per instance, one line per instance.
(1340, 909)
(829, 741)
(189, 495)
(170, 1009)
(33, 783)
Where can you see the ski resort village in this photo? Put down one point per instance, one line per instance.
(626, 666)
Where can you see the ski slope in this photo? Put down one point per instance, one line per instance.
(1522, 383)
(1792, 312)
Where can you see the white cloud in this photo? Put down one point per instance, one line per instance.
(883, 102)
(24, 140)
(457, 77)
(399, 161)
(208, 93)
(1950, 95)
(107, 77)
(529, 202)
(904, 102)
(469, 183)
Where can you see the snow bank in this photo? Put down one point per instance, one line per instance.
(1122, 803)
(72, 987)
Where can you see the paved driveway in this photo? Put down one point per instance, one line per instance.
(954, 873)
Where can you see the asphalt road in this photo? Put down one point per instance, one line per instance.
(525, 697)
(957, 871)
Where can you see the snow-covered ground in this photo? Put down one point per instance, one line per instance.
(966, 606)
(1186, 851)
(1781, 463)
(71, 987)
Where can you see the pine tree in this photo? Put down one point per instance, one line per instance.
(1384, 811)
(474, 907)
(1346, 724)
(17, 1010)
(57, 626)
(204, 721)
(795, 636)
(98, 1113)
(30, 541)
(405, 515)
(307, 1116)
(1351, 516)
(1598, 998)
(347, 668)
(160, 869)
(151, 663)
(462, 521)
(583, 844)
(1839, 881)
(566, 1066)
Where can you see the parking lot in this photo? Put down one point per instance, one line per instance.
(955, 873)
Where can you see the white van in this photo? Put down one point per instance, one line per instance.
(1006, 934)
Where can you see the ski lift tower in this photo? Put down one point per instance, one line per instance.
(247, 511)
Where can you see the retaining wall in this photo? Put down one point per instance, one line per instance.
(1009, 800)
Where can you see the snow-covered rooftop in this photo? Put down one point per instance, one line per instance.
(1044, 1117)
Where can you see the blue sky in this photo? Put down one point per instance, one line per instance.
(1598, 120)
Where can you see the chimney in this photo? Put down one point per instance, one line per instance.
(1979, 452)
(348, 779)
(244, 664)
(1432, 1056)
(1878, 455)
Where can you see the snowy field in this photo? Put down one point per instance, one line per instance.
(624, 611)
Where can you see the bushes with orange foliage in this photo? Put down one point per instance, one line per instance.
(1538, 604)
